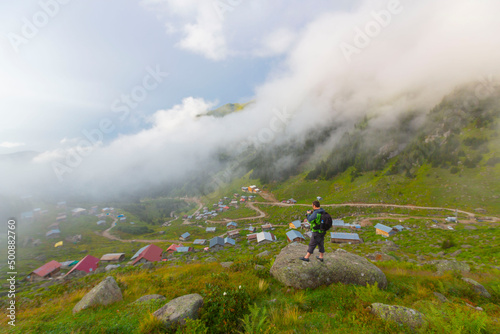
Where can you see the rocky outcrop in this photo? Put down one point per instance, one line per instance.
(399, 314)
(104, 293)
(477, 287)
(148, 265)
(441, 297)
(111, 267)
(176, 311)
(339, 266)
(226, 264)
(446, 265)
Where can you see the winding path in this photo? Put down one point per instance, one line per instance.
(262, 214)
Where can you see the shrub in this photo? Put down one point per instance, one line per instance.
(454, 170)
(193, 327)
(257, 322)
(454, 319)
(448, 243)
(223, 306)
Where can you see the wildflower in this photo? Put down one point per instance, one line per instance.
(224, 293)
(240, 287)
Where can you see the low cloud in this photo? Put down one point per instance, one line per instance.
(414, 57)
(7, 144)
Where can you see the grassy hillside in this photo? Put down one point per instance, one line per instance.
(333, 309)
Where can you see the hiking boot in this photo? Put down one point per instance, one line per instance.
(304, 259)
(319, 258)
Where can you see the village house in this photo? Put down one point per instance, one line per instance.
(185, 236)
(48, 270)
(78, 212)
(210, 229)
(113, 257)
(200, 242)
(101, 222)
(384, 231)
(93, 210)
(229, 242)
(295, 224)
(53, 234)
(338, 223)
(233, 233)
(306, 226)
(216, 243)
(339, 238)
(88, 264)
(149, 253)
(173, 248)
(399, 228)
(61, 218)
(294, 235)
(184, 249)
(266, 227)
(252, 237)
(291, 201)
(251, 228)
(231, 225)
(265, 237)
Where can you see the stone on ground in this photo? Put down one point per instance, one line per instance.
(339, 266)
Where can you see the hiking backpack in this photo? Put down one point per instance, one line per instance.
(326, 222)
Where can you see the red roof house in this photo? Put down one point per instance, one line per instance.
(47, 270)
(151, 253)
(87, 264)
(173, 248)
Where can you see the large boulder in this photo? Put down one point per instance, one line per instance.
(106, 292)
(477, 287)
(399, 314)
(447, 265)
(339, 266)
(111, 267)
(176, 311)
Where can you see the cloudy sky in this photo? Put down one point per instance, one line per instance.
(60, 73)
(88, 84)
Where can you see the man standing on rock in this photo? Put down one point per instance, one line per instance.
(318, 236)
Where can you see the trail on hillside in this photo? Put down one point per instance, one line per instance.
(404, 206)
(108, 235)
(200, 206)
(262, 214)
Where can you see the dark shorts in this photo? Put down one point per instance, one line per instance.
(317, 239)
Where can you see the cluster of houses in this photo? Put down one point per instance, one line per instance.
(251, 189)
(289, 201)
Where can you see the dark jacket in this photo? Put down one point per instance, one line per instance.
(313, 219)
